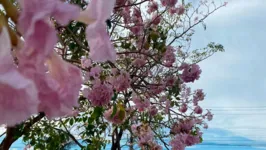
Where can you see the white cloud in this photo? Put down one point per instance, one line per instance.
(236, 78)
(236, 10)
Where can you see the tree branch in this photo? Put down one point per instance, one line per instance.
(13, 133)
(190, 27)
(70, 135)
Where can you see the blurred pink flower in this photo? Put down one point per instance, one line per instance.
(198, 110)
(18, 97)
(118, 118)
(97, 12)
(100, 94)
(190, 72)
(121, 82)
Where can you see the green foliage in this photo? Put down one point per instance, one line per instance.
(201, 54)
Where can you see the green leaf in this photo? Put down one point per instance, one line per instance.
(84, 119)
(97, 112)
(201, 139)
(121, 114)
(114, 110)
(154, 36)
(115, 96)
(71, 121)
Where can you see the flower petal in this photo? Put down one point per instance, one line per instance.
(101, 48)
(18, 97)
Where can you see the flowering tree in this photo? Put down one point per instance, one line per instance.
(103, 71)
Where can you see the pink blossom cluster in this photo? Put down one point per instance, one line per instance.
(190, 72)
(100, 94)
(169, 57)
(120, 80)
(169, 3)
(141, 104)
(118, 117)
(185, 134)
(41, 81)
(145, 137)
(180, 141)
(152, 7)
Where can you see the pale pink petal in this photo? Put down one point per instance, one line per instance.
(99, 10)
(69, 80)
(101, 48)
(18, 97)
(64, 12)
(36, 27)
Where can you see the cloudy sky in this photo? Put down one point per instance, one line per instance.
(235, 81)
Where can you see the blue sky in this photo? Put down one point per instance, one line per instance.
(235, 81)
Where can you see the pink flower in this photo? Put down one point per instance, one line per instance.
(152, 7)
(97, 12)
(136, 29)
(153, 110)
(183, 108)
(173, 10)
(101, 48)
(167, 106)
(140, 104)
(134, 128)
(190, 140)
(95, 71)
(196, 19)
(145, 139)
(169, 3)
(198, 110)
(209, 115)
(169, 57)
(205, 126)
(177, 143)
(58, 83)
(137, 15)
(67, 80)
(156, 19)
(34, 23)
(120, 2)
(180, 10)
(184, 126)
(180, 141)
(138, 62)
(225, 3)
(74, 113)
(100, 94)
(118, 118)
(85, 92)
(156, 147)
(85, 62)
(126, 15)
(170, 80)
(198, 96)
(190, 72)
(156, 88)
(18, 97)
(121, 82)
(27, 147)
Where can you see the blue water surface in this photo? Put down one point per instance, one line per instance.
(214, 140)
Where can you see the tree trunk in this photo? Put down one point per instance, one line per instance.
(9, 139)
(116, 139)
(13, 133)
(131, 142)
